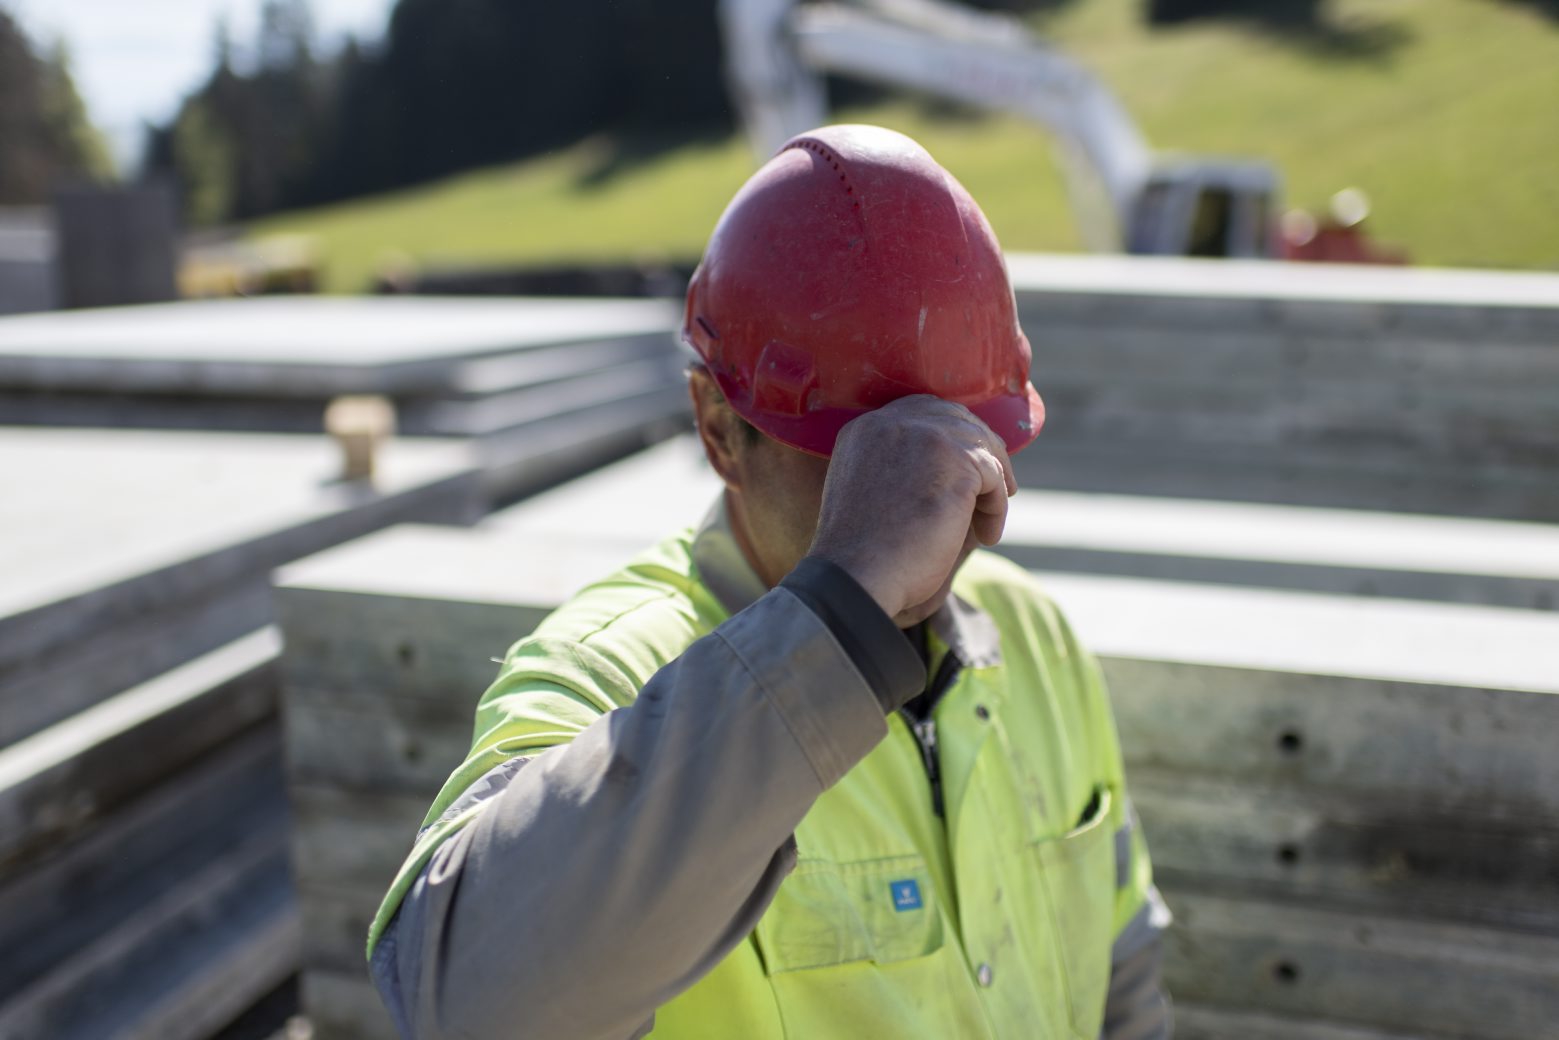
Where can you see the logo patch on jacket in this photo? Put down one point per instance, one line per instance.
(906, 894)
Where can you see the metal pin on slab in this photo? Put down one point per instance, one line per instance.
(359, 424)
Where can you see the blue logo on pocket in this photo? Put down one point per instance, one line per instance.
(906, 894)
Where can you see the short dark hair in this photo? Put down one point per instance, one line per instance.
(750, 433)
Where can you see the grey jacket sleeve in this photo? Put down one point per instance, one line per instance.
(648, 847)
(1137, 1008)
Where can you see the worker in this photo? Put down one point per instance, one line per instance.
(817, 769)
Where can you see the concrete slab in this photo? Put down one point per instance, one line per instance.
(111, 538)
(1421, 977)
(1262, 279)
(1499, 562)
(1316, 291)
(1409, 389)
(1381, 762)
(301, 345)
(57, 783)
(1242, 628)
(660, 489)
(115, 914)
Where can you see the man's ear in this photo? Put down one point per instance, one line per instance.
(719, 427)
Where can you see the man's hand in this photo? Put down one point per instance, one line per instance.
(912, 488)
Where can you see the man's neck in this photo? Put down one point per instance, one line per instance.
(736, 514)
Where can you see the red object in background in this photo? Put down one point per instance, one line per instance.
(1341, 245)
(1339, 238)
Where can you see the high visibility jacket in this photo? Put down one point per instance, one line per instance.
(973, 875)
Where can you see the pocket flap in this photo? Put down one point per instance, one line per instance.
(834, 913)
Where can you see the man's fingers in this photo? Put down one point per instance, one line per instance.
(997, 449)
(878, 521)
(990, 505)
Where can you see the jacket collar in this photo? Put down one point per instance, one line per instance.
(964, 628)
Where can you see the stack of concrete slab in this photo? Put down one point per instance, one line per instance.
(1343, 551)
(1378, 388)
(144, 886)
(1350, 799)
(545, 387)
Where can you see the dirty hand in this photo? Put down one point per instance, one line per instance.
(912, 488)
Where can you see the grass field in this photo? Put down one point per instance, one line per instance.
(1446, 112)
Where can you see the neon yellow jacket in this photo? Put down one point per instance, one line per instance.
(973, 873)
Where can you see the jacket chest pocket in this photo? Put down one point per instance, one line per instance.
(882, 911)
(1078, 874)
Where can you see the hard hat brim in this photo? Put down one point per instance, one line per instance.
(1015, 418)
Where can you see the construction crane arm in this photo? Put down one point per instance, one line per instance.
(777, 47)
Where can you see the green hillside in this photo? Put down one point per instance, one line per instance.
(1446, 112)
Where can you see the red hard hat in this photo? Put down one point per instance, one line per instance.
(850, 271)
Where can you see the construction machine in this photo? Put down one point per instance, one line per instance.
(1127, 198)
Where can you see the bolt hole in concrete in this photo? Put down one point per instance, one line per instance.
(1288, 855)
(1290, 742)
(406, 654)
(1285, 972)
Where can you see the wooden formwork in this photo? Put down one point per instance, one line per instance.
(144, 885)
(1358, 837)
(1412, 390)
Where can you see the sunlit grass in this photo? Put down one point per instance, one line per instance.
(1446, 112)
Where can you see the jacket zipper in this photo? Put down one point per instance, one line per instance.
(925, 729)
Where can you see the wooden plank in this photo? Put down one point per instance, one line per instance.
(1203, 1022)
(1377, 855)
(1188, 350)
(1279, 958)
(1269, 687)
(352, 741)
(337, 934)
(1165, 468)
(123, 651)
(352, 841)
(343, 881)
(1418, 977)
(181, 965)
(342, 1006)
(411, 646)
(59, 781)
(421, 612)
(1453, 750)
(228, 981)
(60, 904)
(1222, 425)
(1261, 845)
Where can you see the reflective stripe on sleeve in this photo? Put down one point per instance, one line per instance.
(1123, 852)
(489, 785)
(1144, 928)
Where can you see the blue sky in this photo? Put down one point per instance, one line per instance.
(134, 59)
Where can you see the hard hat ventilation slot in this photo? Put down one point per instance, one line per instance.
(828, 156)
